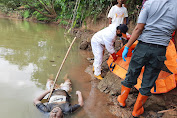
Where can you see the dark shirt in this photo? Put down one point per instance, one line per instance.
(65, 107)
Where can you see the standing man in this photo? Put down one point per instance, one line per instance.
(117, 14)
(156, 23)
(105, 37)
(144, 2)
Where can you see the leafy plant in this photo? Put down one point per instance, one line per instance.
(11, 4)
(64, 9)
(26, 14)
(63, 22)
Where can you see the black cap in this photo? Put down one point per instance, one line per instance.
(123, 28)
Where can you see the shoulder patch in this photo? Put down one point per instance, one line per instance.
(142, 8)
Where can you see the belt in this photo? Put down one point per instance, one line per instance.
(152, 45)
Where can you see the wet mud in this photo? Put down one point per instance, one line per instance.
(96, 103)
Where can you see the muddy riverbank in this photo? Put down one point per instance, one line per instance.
(111, 85)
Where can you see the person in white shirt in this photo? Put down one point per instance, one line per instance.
(105, 38)
(117, 14)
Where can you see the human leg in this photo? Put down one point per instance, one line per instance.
(152, 69)
(50, 83)
(149, 77)
(124, 94)
(97, 50)
(67, 85)
(130, 80)
(138, 107)
(135, 66)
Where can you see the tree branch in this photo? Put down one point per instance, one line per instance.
(52, 6)
(44, 5)
(50, 15)
(47, 15)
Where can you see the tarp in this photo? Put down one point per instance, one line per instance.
(167, 78)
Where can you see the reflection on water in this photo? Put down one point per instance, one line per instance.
(29, 54)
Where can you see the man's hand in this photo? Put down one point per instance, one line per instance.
(114, 56)
(78, 92)
(124, 54)
(38, 99)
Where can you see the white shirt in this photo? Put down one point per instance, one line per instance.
(106, 37)
(117, 14)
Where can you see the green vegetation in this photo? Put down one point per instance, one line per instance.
(52, 10)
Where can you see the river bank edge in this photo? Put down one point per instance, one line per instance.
(111, 84)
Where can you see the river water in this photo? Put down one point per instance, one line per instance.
(29, 54)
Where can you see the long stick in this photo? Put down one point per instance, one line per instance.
(61, 68)
(163, 111)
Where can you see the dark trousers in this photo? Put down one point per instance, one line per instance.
(150, 56)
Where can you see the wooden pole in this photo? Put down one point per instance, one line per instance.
(163, 111)
(61, 67)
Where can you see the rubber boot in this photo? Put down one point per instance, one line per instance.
(98, 77)
(138, 107)
(124, 94)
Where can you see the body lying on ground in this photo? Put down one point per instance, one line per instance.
(59, 103)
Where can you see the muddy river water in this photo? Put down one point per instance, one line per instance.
(29, 54)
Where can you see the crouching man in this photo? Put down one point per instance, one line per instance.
(105, 38)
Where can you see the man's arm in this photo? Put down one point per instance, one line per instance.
(80, 99)
(39, 98)
(110, 20)
(110, 15)
(80, 102)
(142, 19)
(175, 39)
(136, 33)
(125, 21)
(125, 16)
